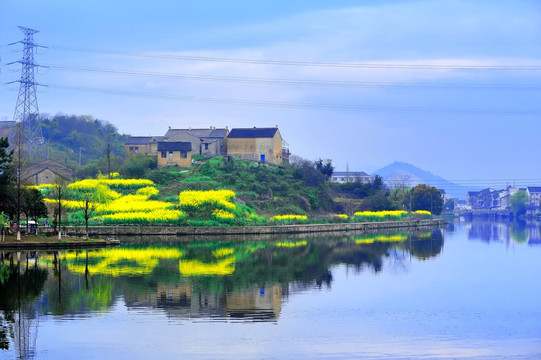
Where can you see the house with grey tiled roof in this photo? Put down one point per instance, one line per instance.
(350, 176)
(172, 153)
(145, 145)
(46, 172)
(256, 144)
(206, 142)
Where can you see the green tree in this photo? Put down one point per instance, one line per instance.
(137, 166)
(32, 205)
(519, 203)
(59, 194)
(8, 196)
(424, 197)
(5, 156)
(90, 201)
(324, 167)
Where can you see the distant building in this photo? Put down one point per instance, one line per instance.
(256, 144)
(350, 176)
(205, 142)
(443, 195)
(534, 194)
(145, 145)
(174, 153)
(46, 172)
(471, 199)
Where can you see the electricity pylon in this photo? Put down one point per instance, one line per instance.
(26, 109)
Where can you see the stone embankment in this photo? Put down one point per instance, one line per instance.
(112, 231)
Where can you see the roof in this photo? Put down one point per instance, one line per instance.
(174, 146)
(350, 173)
(55, 167)
(138, 140)
(253, 133)
(473, 193)
(143, 140)
(534, 189)
(200, 133)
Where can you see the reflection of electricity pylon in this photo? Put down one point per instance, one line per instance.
(26, 110)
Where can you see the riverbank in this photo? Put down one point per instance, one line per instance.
(182, 231)
(34, 242)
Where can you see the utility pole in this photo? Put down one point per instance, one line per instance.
(26, 109)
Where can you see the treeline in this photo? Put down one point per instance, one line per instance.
(76, 141)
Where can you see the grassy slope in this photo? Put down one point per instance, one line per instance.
(268, 189)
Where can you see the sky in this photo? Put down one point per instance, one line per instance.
(450, 86)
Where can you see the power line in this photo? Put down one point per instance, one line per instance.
(281, 81)
(303, 63)
(287, 104)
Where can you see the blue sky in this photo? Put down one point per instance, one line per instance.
(459, 123)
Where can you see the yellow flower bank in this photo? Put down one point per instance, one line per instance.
(289, 217)
(193, 199)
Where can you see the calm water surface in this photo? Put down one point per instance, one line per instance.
(469, 291)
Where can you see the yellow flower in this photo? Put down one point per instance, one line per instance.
(289, 217)
(193, 199)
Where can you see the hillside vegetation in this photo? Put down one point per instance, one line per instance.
(269, 189)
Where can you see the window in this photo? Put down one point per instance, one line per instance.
(164, 155)
(183, 154)
(206, 146)
(170, 156)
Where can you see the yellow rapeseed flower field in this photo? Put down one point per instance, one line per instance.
(193, 199)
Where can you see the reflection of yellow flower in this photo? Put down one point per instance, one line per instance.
(197, 268)
(291, 243)
(118, 262)
(223, 252)
(382, 238)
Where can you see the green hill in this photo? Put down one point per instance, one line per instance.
(269, 189)
(72, 138)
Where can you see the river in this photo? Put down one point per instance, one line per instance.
(470, 290)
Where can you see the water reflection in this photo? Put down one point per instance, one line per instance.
(518, 232)
(194, 281)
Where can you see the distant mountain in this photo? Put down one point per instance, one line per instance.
(404, 174)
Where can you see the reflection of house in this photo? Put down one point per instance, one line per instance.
(174, 153)
(350, 176)
(257, 304)
(179, 301)
(206, 142)
(46, 172)
(256, 144)
(146, 145)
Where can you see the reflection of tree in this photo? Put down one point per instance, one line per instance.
(519, 231)
(20, 286)
(424, 248)
(218, 278)
(69, 292)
